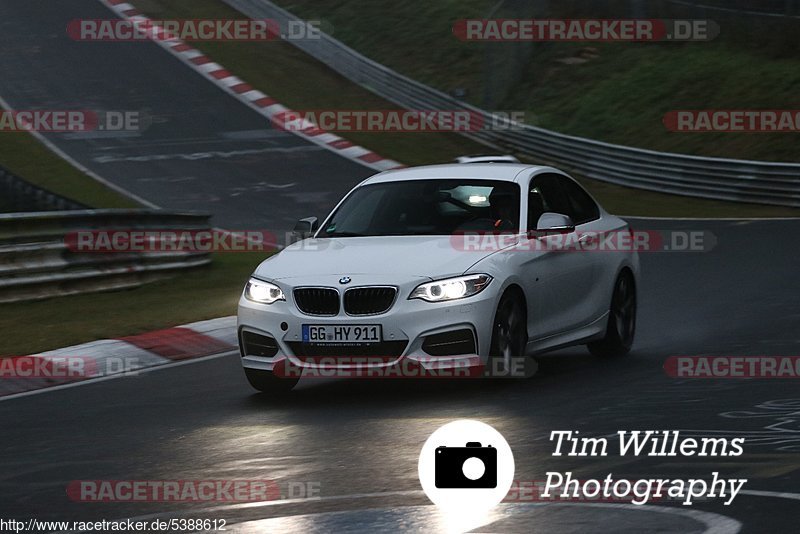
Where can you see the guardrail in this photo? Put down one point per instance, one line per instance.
(713, 178)
(36, 262)
(777, 8)
(19, 195)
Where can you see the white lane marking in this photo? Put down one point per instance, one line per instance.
(212, 154)
(355, 151)
(118, 376)
(99, 134)
(385, 165)
(254, 94)
(715, 523)
(208, 68)
(69, 159)
(274, 109)
(191, 53)
(231, 81)
(257, 135)
(327, 138)
(773, 494)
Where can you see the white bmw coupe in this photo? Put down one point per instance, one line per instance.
(442, 266)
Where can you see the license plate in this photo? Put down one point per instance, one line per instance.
(346, 334)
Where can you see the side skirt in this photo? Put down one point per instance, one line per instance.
(584, 334)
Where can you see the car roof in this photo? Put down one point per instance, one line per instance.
(505, 172)
(486, 159)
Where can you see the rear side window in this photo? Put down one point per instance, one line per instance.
(558, 194)
(584, 209)
(546, 195)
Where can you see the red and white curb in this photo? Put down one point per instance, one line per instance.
(260, 102)
(123, 356)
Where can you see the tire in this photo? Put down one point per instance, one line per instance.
(509, 335)
(621, 328)
(267, 382)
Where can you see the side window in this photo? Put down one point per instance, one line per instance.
(584, 209)
(546, 194)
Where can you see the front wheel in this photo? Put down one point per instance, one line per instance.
(267, 382)
(509, 335)
(621, 326)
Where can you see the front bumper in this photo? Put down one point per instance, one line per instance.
(406, 325)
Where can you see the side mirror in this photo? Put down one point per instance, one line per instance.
(553, 223)
(305, 228)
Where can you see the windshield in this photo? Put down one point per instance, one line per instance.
(426, 207)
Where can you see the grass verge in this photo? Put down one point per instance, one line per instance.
(614, 92)
(23, 155)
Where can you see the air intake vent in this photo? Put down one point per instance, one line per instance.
(257, 345)
(368, 300)
(453, 343)
(317, 300)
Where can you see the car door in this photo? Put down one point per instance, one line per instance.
(552, 269)
(591, 226)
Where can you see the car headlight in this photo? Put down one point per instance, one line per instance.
(262, 292)
(451, 288)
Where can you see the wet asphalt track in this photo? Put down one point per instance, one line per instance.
(204, 151)
(358, 441)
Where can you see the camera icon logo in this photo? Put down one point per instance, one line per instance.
(466, 466)
(472, 466)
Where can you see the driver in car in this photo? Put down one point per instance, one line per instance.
(503, 214)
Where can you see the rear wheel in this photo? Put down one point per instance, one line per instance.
(509, 335)
(267, 382)
(621, 326)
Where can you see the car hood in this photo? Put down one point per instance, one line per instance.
(418, 256)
